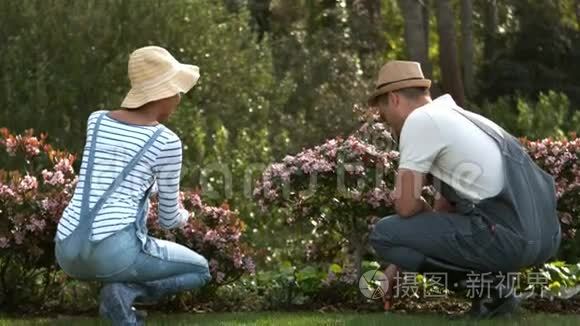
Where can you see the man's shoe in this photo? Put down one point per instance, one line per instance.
(493, 308)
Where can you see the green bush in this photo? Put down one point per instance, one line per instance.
(550, 116)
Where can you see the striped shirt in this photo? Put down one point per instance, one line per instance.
(116, 144)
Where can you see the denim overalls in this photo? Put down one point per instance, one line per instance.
(82, 257)
(132, 264)
(517, 228)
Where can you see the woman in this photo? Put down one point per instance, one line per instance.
(102, 234)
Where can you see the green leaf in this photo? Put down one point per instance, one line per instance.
(335, 268)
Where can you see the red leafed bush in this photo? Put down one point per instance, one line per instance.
(37, 182)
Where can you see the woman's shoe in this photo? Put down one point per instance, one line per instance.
(117, 303)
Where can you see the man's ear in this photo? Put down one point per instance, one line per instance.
(394, 99)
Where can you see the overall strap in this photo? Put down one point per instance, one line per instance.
(485, 128)
(89, 168)
(121, 177)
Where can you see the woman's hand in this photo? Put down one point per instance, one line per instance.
(184, 214)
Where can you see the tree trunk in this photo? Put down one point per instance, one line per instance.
(578, 12)
(491, 22)
(449, 64)
(365, 17)
(415, 33)
(426, 12)
(261, 16)
(467, 45)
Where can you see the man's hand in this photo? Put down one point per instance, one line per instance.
(442, 204)
(426, 206)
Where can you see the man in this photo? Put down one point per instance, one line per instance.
(495, 210)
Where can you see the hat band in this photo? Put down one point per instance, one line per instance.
(398, 81)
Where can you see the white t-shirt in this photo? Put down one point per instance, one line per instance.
(438, 140)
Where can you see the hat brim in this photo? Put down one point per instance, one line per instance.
(182, 82)
(397, 86)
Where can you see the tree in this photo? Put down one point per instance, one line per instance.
(490, 14)
(578, 12)
(415, 33)
(467, 45)
(448, 61)
(260, 11)
(365, 21)
(426, 6)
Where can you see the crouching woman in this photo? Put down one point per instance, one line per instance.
(102, 234)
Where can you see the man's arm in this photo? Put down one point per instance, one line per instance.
(420, 144)
(407, 194)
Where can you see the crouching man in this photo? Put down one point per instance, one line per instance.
(495, 210)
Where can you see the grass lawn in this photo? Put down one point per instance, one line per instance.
(307, 319)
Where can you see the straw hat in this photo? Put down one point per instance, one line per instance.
(155, 74)
(395, 75)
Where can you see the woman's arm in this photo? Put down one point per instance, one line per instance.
(167, 169)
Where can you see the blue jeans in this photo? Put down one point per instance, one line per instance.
(133, 265)
(464, 241)
(133, 272)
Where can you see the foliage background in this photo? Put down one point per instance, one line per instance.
(282, 75)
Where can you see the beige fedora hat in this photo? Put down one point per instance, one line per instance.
(155, 74)
(395, 75)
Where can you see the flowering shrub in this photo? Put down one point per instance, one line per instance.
(562, 160)
(339, 187)
(36, 184)
(351, 169)
(215, 232)
(354, 178)
(33, 197)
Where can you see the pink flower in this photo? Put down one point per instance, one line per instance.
(64, 166)
(7, 192)
(53, 178)
(237, 259)
(211, 236)
(36, 225)
(31, 145)
(235, 236)
(220, 277)
(288, 160)
(11, 145)
(28, 183)
(48, 205)
(4, 243)
(376, 196)
(195, 200)
(249, 265)
(213, 265)
(355, 169)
